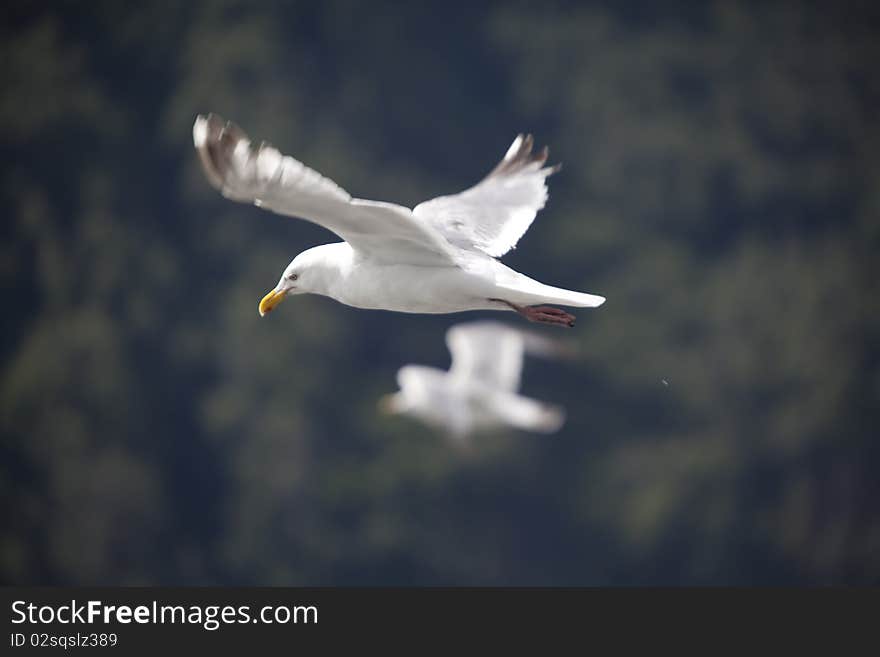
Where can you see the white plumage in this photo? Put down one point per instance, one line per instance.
(437, 258)
(495, 213)
(480, 390)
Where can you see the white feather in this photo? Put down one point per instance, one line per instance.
(480, 389)
(495, 213)
(438, 258)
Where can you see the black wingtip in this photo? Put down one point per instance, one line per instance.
(520, 155)
(215, 139)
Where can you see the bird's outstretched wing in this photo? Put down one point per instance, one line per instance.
(488, 353)
(495, 213)
(260, 174)
(492, 353)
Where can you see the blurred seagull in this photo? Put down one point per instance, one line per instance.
(480, 389)
(437, 258)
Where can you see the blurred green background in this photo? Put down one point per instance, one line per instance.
(721, 187)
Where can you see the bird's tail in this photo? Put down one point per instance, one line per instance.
(520, 289)
(527, 291)
(571, 298)
(526, 413)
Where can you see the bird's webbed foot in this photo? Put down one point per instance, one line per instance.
(542, 314)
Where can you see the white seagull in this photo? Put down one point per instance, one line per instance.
(480, 389)
(439, 257)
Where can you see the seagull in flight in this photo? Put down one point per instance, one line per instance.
(479, 391)
(439, 257)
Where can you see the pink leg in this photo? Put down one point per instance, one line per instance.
(542, 314)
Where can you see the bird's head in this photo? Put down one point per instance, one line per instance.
(395, 403)
(309, 272)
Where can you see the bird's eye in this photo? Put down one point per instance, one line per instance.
(292, 277)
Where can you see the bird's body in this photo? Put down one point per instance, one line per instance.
(363, 282)
(410, 288)
(439, 257)
(480, 390)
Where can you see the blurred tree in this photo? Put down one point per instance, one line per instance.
(720, 188)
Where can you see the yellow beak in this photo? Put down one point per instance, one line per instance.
(268, 302)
